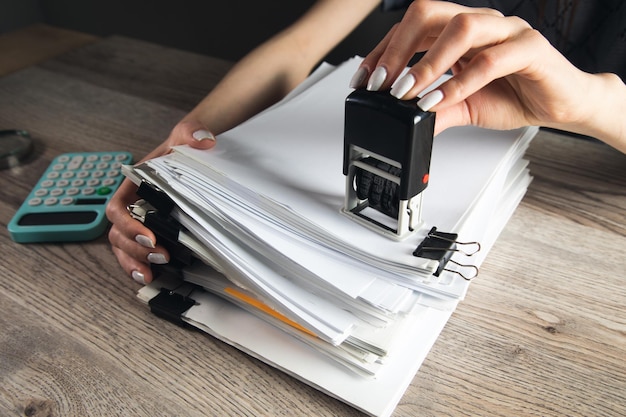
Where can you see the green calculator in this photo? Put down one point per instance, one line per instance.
(68, 203)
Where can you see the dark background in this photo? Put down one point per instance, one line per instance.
(591, 33)
(224, 29)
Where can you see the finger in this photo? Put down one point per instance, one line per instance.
(422, 21)
(129, 234)
(532, 89)
(362, 75)
(192, 133)
(466, 34)
(398, 46)
(489, 65)
(516, 58)
(137, 248)
(420, 27)
(455, 115)
(515, 86)
(140, 272)
(118, 215)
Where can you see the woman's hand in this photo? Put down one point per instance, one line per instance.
(134, 245)
(505, 74)
(257, 81)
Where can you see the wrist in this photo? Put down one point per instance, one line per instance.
(606, 106)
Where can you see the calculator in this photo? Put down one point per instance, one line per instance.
(68, 203)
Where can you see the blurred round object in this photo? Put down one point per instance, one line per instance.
(15, 145)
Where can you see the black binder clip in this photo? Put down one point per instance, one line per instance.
(157, 198)
(154, 210)
(171, 305)
(440, 246)
(386, 161)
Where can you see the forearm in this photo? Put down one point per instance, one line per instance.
(257, 81)
(273, 69)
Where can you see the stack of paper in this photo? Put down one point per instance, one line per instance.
(300, 285)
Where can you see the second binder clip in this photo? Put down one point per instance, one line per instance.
(440, 246)
(386, 161)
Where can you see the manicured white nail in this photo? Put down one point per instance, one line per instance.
(430, 100)
(202, 135)
(157, 258)
(144, 241)
(358, 78)
(402, 86)
(138, 277)
(377, 79)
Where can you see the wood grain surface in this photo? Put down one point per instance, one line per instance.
(36, 43)
(542, 331)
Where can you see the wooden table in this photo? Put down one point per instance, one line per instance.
(541, 332)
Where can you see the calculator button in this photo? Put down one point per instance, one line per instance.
(102, 165)
(72, 191)
(78, 182)
(63, 183)
(104, 190)
(97, 174)
(106, 157)
(66, 201)
(75, 163)
(120, 157)
(35, 201)
(89, 190)
(67, 174)
(116, 165)
(63, 158)
(56, 192)
(53, 175)
(41, 192)
(87, 166)
(92, 158)
(58, 167)
(51, 201)
(47, 183)
(93, 182)
(108, 181)
(113, 173)
(82, 174)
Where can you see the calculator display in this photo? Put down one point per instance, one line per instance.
(63, 217)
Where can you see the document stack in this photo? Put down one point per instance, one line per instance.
(283, 274)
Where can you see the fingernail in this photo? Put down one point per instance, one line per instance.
(430, 100)
(377, 79)
(138, 277)
(157, 258)
(402, 86)
(202, 135)
(144, 241)
(358, 78)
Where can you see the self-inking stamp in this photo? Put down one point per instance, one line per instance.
(386, 161)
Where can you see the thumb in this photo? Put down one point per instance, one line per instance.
(452, 116)
(195, 134)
